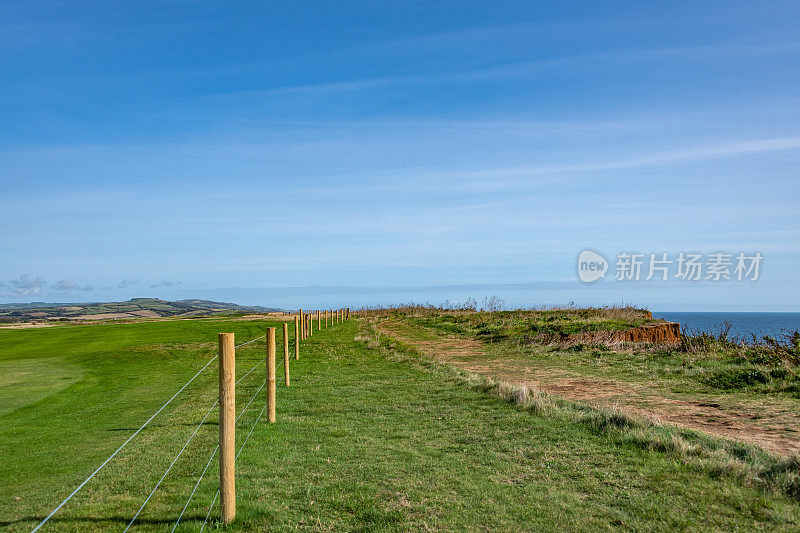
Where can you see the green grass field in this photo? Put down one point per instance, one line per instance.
(714, 368)
(367, 439)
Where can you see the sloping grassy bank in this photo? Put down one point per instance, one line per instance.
(701, 362)
(745, 464)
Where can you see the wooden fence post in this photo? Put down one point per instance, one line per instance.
(297, 337)
(319, 321)
(310, 323)
(302, 325)
(227, 427)
(286, 352)
(271, 374)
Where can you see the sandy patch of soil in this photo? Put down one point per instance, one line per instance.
(26, 325)
(145, 313)
(766, 424)
(281, 317)
(102, 316)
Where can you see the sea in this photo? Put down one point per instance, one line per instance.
(743, 324)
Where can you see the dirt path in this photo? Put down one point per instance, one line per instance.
(772, 427)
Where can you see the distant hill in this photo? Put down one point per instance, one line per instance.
(134, 308)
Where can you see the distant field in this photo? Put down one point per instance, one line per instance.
(131, 309)
(370, 436)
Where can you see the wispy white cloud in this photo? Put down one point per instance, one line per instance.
(752, 146)
(507, 178)
(71, 286)
(165, 283)
(27, 285)
(592, 60)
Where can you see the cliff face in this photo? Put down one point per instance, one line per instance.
(657, 333)
(660, 333)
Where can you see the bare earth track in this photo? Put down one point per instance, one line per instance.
(773, 428)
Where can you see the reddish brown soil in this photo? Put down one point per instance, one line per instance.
(659, 333)
(767, 423)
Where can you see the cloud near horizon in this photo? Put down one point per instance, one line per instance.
(27, 284)
(63, 285)
(165, 283)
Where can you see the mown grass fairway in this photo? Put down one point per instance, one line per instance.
(364, 441)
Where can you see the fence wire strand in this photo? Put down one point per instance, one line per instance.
(251, 431)
(195, 487)
(85, 481)
(248, 372)
(104, 463)
(251, 401)
(187, 443)
(210, 507)
(172, 464)
(215, 452)
(251, 341)
(209, 511)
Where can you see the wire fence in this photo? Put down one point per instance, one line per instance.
(303, 329)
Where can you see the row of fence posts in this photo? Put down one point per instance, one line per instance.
(303, 329)
(306, 325)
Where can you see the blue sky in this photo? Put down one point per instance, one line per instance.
(383, 152)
